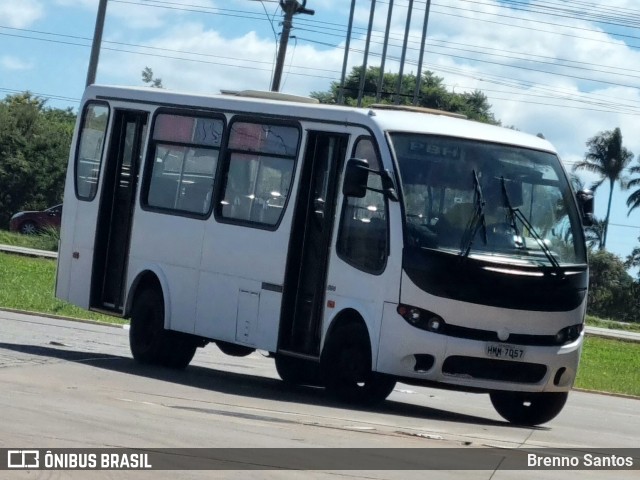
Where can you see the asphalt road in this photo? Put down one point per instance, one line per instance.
(73, 385)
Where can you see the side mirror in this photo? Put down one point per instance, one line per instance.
(585, 200)
(355, 178)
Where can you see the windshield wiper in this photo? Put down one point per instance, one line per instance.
(476, 222)
(514, 215)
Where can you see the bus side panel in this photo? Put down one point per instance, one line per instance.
(238, 262)
(217, 307)
(173, 244)
(65, 247)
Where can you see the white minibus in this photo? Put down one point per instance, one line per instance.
(359, 246)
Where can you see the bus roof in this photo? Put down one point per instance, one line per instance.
(385, 120)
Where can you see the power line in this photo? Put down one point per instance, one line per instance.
(622, 225)
(547, 92)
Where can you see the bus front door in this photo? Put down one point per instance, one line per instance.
(307, 262)
(116, 210)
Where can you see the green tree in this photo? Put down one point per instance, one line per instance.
(633, 260)
(594, 234)
(147, 77)
(612, 291)
(34, 149)
(633, 201)
(433, 93)
(606, 157)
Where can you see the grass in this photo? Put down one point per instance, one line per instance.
(27, 284)
(47, 240)
(610, 366)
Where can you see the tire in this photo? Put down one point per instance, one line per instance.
(234, 350)
(528, 408)
(150, 343)
(346, 368)
(296, 371)
(181, 348)
(29, 228)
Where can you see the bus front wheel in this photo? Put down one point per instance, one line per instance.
(346, 367)
(149, 341)
(528, 408)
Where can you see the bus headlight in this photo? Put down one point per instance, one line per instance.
(423, 319)
(568, 334)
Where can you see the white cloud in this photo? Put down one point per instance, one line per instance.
(92, 4)
(217, 63)
(138, 14)
(9, 62)
(20, 14)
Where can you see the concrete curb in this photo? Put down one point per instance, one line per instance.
(608, 394)
(31, 252)
(69, 319)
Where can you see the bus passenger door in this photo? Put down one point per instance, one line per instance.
(309, 245)
(116, 210)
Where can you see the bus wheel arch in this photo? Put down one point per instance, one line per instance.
(528, 408)
(146, 279)
(346, 362)
(149, 340)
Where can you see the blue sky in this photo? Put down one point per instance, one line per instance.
(567, 69)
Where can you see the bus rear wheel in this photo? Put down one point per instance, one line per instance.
(528, 408)
(346, 367)
(149, 341)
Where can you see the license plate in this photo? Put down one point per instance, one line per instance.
(505, 352)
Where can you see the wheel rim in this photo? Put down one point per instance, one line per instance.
(28, 228)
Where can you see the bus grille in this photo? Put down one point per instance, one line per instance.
(491, 336)
(489, 369)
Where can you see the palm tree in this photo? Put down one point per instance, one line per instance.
(634, 199)
(608, 158)
(594, 234)
(633, 260)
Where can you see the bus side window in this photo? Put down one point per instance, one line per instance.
(89, 151)
(363, 234)
(259, 171)
(183, 161)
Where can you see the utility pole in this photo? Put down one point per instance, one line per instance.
(97, 40)
(346, 53)
(384, 51)
(421, 58)
(363, 74)
(404, 54)
(290, 8)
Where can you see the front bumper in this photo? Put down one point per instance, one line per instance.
(420, 356)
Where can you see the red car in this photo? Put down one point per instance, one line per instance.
(33, 222)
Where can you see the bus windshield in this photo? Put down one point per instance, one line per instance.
(506, 204)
